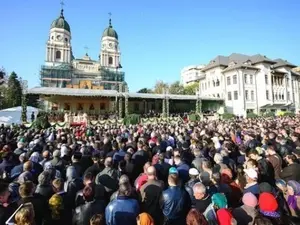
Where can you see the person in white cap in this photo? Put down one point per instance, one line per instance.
(251, 178)
(194, 174)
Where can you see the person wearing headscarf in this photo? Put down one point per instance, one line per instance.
(225, 218)
(268, 206)
(37, 168)
(293, 199)
(44, 187)
(245, 214)
(73, 183)
(144, 219)
(219, 201)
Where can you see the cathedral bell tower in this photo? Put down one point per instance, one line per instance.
(59, 49)
(110, 52)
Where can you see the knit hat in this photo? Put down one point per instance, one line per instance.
(219, 200)
(224, 217)
(249, 199)
(173, 170)
(267, 202)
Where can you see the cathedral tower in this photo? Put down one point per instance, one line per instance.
(59, 49)
(110, 52)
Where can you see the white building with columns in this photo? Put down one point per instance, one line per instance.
(251, 83)
(62, 69)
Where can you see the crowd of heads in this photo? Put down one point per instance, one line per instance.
(241, 171)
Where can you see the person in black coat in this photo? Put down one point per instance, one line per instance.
(92, 206)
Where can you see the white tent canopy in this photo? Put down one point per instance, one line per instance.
(13, 115)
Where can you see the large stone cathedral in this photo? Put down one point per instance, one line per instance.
(61, 69)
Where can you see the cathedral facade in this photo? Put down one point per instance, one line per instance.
(61, 69)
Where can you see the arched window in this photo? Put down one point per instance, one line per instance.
(58, 55)
(110, 60)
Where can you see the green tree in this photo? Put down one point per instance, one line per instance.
(2, 88)
(13, 94)
(176, 88)
(145, 90)
(160, 87)
(191, 89)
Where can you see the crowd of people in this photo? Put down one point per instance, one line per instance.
(241, 171)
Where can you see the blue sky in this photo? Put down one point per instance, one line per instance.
(157, 38)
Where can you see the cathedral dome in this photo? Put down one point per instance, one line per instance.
(60, 22)
(110, 32)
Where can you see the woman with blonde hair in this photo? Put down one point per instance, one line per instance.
(58, 214)
(144, 219)
(25, 216)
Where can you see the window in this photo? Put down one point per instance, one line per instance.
(229, 96)
(267, 95)
(228, 80)
(276, 96)
(288, 96)
(234, 79)
(246, 79)
(92, 107)
(110, 60)
(235, 94)
(217, 83)
(266, 79)
(282, 96)
(252, 95)
(247, 95)
(66, 39)
(102, 106)
(251, 79)
(58, 55)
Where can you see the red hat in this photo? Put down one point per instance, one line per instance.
(224, 217)
(267, 202)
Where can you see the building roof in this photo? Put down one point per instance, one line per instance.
(72, 92)
(110, 32)
(109, 93)
(240, 66)
(61, 23)
(281, 63)
(238, 59)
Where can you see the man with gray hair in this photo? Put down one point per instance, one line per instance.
(202, 199)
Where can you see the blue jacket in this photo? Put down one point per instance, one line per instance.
(122, 210)
(175, 204)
